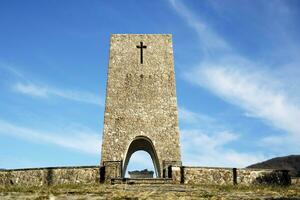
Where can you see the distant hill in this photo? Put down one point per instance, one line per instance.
(291, 163)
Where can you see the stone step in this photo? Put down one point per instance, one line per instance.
(141, 181)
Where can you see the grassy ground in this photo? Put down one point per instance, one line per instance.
(163, 191)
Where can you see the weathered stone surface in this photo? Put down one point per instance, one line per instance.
(263, 176)
(249, 176)
(295, 181)
(141, 100)
(180, 174)
(203, 175)
(225, 176)
(112, 169)
(50, 176)
(177, 174)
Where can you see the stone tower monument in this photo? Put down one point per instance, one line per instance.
(141, 106)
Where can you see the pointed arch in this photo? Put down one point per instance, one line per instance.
(141, 143)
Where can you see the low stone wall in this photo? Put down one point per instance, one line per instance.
(295, 181)
(179, 175)
(205, 175)
(50, 176)
(249, 176)
(228, 176)
(263, 176)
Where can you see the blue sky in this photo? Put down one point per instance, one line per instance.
(237, 71)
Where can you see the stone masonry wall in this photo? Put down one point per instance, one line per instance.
(203, 175)
(50, 176)
(227, 176)
(141, 97)
(295, 181)
(91, 175)
(249, 176)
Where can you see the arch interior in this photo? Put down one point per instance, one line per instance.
(145, 144)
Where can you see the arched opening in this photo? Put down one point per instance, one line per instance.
(140, 160)
(142, 143)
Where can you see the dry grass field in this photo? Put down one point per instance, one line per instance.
(158, 191)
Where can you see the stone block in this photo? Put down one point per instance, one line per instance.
(113, 169)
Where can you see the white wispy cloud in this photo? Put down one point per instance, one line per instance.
(209, 39)
(46, 92)
(201, 149)
(11, 69)
(83, 140)
(208, 142)
(30, 89)
(188, 116)
(282, 144)
(26, 86)
(253, 92)
(263, 91)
